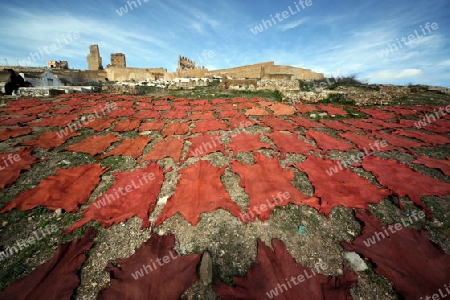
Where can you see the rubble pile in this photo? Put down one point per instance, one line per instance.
(277, 84)
(369, 95)
(376, 95)
(296, 97)
(122, 89)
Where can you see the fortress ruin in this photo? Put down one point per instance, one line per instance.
(118, 71)
(53, 64)
(264, 73)
(94, 59)
(185, 63)
(118, 60)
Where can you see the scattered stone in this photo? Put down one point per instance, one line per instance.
(438, 223)
(302, 230)
(440, 89)
(375, 95)
(278, 84)
(163, 200)
(58, 212)
(206, 269)
(188, 83)
(323, 114)
(356, 262)
(297, 97)
(382, 95)
(122, 89)
(312, 115)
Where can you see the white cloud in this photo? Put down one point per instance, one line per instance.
(48, 29)
(292, 25)
(197, 27)
(390, 75)
(427, 42)
(445, 63)
(330, 38)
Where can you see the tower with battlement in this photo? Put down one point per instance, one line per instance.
(94, 59)
(118, 60)
(185, 63)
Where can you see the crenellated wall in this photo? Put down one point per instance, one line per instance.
(137, 74)
(117, 71)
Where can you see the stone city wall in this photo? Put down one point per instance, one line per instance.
(137, 74)
(250, 71)
(189, 73)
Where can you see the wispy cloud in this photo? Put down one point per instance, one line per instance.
(445, 63)
(388, 75)
(329, 37)
(294, 24)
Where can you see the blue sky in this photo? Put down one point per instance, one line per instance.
(333, 37)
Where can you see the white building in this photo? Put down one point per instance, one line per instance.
(46, 78)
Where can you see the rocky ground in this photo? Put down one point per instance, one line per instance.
(231, 244)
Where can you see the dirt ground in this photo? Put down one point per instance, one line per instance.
(231, 243)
